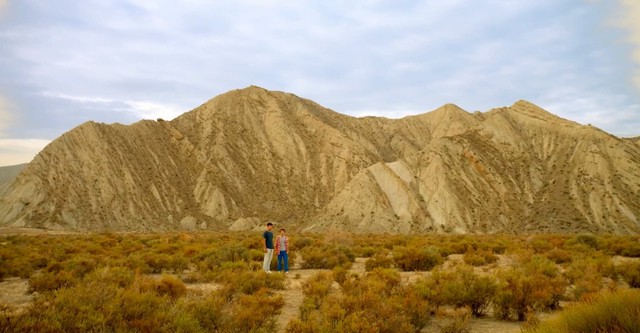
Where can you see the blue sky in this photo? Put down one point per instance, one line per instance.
(66, 62)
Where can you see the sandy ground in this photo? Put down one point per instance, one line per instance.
(13, 292)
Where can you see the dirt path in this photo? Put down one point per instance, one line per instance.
(13, 292)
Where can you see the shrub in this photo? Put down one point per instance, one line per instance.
(374, 303)
(559, 256)
(318, 286)
(479, 257)
(586, 274)
(414, 259)
(630, 272)
(50, 281)
(617, 312)
(326, 257)
(379, 260)
(462, 288)
(459, 324)
(171, 286)
(532, 287)
(587, 239)
(340, 274)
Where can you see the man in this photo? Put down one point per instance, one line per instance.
(282, 249)
(268, 248)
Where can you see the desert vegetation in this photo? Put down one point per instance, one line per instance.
(213, 282)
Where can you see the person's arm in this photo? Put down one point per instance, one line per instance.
(264, 235)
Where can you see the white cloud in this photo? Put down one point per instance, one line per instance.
(3, 6)
(628, 17)
(5, 116)
(141, 109)
(152, 110)
(155, 59)
(17, 151)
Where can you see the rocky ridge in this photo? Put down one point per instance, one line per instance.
(253, 155)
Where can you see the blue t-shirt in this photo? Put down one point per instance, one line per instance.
(268, 239)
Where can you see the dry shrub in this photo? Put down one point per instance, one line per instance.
(50, 281)
(611, 312)
(254, 313)
(318, 286)
(559, 256)
(374, 303)
(249, 282)
(171, 286)
(586, 239)
(108, 300)
(416, 259)
(326, 257)
(460, 323)
(479, 257)
(379, 260)
(586, 274)
(539, 244)
(461, 288)
(630, 272)
(340, 274)
(536, 285)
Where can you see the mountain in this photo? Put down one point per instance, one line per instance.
(8, 174)
(252, 155)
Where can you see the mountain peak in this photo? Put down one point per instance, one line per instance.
(532, 110)
(256, 155)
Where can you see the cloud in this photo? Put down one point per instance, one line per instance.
(122, 61)
(140, 109)
(17, 151)
(3, 6)
(628, 17)
(6, 117)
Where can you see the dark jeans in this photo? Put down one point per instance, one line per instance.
(283, 256)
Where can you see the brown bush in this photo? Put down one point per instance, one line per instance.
(374, 303)
(479, 257)
(416, 259)
(379, 260)
(537, 285)
(461, 288)
(630, 272)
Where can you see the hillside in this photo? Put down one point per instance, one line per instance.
(253, 155)
(8, 174)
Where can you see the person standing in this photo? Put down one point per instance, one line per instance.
(268, 248)
(282, 249)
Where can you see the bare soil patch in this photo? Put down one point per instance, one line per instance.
(13, 292)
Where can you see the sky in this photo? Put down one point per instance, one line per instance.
(66, 62)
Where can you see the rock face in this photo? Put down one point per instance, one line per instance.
(8, 174)
(253, 155)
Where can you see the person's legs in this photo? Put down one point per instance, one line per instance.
(280, 259)
(285, 256)
(270, 259)
(266, 265)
